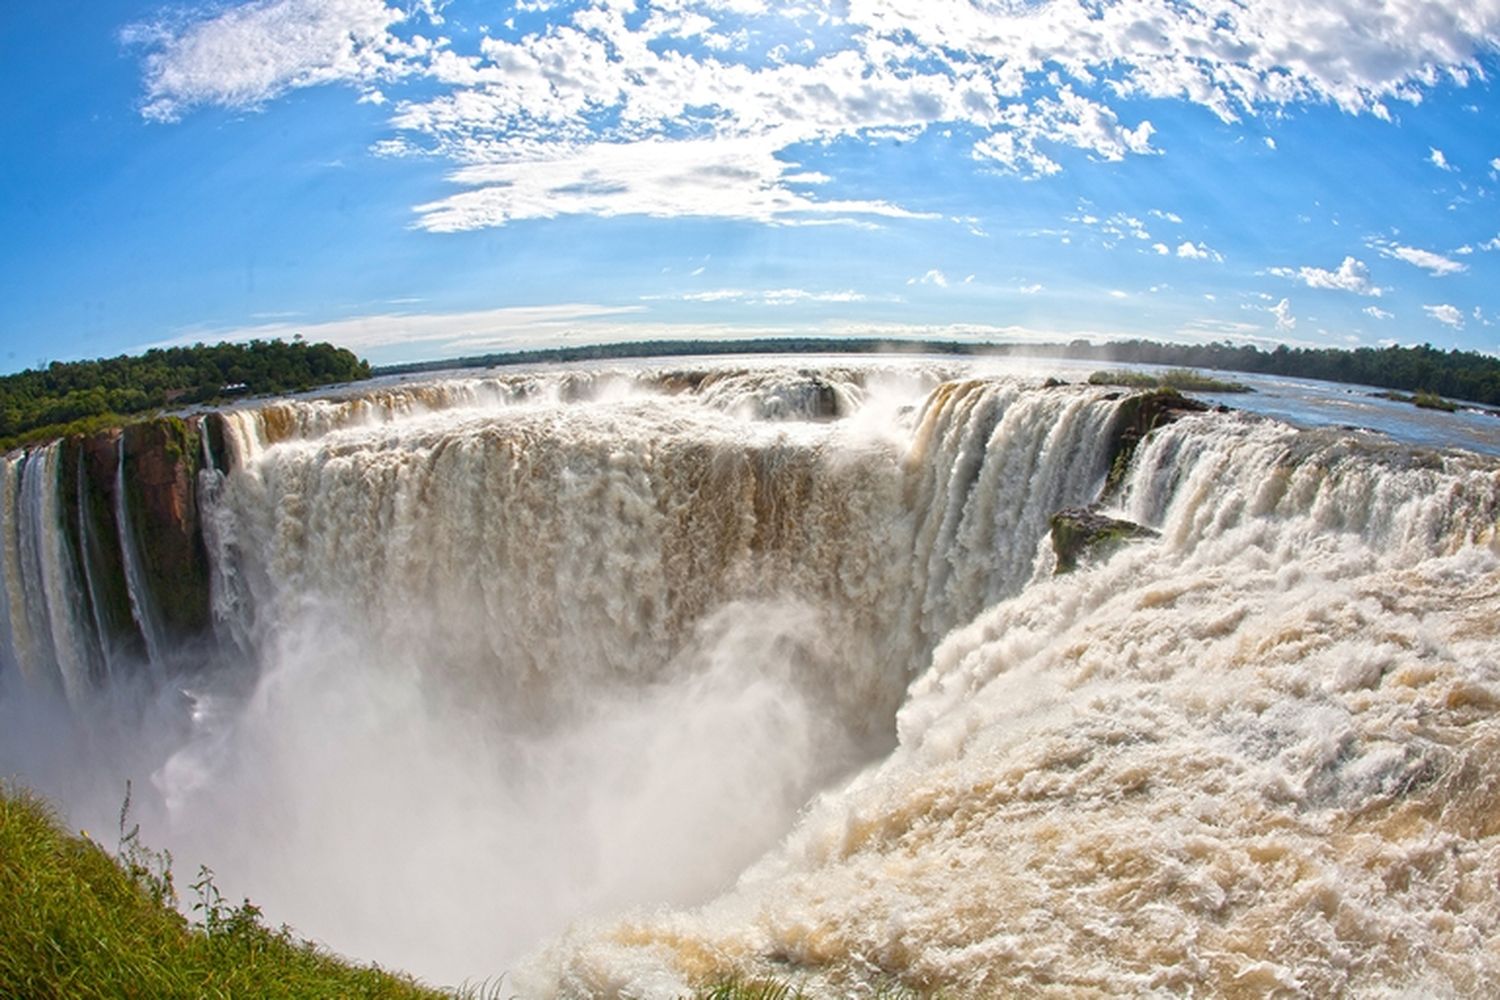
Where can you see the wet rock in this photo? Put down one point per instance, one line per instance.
(162, 460)
(1137, 416)
(93, 500)
(1079, 533)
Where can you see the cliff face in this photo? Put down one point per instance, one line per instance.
(161, 481)
(138, 561)
(98, 539)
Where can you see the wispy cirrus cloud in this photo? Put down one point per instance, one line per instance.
(563, 119)
(768, 297)
(724, 178)
(1427, 260)
(441, 332)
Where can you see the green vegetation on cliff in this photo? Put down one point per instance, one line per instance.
(1422, 399)
(84, 396)
(81, 923)
(77, 923)
(1181, 379)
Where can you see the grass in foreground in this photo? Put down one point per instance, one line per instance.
(1181, 379)
(76, 923)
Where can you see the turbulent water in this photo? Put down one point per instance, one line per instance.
(621, 681)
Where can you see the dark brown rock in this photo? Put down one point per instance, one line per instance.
(1078, 533)
(162, 461)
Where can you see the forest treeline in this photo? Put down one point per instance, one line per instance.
(74, 396)
(1465, 375)
(84, 395)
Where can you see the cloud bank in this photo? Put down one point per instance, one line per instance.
(703, 108)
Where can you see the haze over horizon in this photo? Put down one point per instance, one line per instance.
(427, 179)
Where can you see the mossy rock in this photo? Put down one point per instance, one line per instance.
(96, 458)
(162, 458)
(1080, 533)
(1138, 415)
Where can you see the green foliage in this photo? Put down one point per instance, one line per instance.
(1422, 398)
(751, 989)
(50, 432)
(1181, 379)
(1454, 374)
(1432, 401)
(82, 396)
(77, 923)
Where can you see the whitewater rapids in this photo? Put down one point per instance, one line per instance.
(622, 681)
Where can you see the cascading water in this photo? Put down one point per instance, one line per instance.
(500, 658)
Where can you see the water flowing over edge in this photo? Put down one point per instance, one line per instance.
(1214, 759)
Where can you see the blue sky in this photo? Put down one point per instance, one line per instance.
(420, 179)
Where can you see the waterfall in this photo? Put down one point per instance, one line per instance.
(47, 638)
(142, 604)
(785, 649)
(88, 545)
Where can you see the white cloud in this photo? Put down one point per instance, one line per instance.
(1425, 259)
(1031, 289)
(712, 295)
(1116, 293)
(1270, 142)
(1115, 229)
(1161, 249)
(768, 297)
(1495, 164)
(1285, 321)
(1375, 312)
(1197, 251)
(1446, 314)
(1171, 217)
(251, 53)
(933, 277)
(441, 333)
(1439, 160)
(787, 296)
(607, 84)
(724, 178)
(1352, 276)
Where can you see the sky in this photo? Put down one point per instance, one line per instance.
(420, 179)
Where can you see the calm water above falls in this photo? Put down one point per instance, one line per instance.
(504, 663)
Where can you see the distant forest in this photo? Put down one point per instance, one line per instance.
(67, 397)
(1464, 375)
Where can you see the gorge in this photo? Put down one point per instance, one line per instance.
(621, 679)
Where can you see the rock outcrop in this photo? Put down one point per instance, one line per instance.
(1139, 415)
(162, 459)
(1080, 533)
